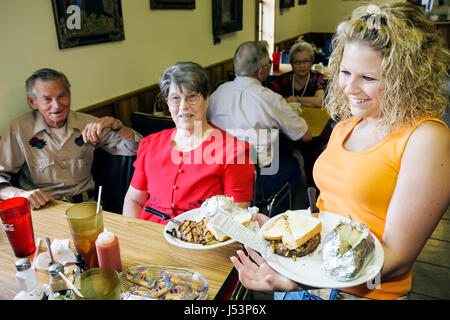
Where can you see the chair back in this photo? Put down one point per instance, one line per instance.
(146, 123)
(267, 205)
(231, 75)
(285, 56)
(113, 173)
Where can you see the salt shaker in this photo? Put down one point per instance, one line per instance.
(58, 286)
(25, 276)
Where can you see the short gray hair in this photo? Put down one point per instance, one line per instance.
(249, 57)
(189, 74)
(301, 46)
(45, 74)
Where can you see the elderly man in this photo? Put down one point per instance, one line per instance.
(51, 148)
(249, 111)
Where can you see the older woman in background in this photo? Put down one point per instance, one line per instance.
(178, 169)
(301, 85)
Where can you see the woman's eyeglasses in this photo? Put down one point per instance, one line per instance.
(175, 101)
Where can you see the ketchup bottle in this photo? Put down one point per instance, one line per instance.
(108, 252)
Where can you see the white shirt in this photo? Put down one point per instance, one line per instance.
(249, 111)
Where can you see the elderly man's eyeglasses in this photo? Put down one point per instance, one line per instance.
(191, 99)
(299, 62)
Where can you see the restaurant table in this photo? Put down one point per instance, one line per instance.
(284, 68)
(316, 118)
(141, 242)
(323, 70)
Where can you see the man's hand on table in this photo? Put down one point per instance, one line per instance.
(37, 197)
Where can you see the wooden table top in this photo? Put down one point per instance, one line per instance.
(316, 118)
(284, 68)
(141, 242)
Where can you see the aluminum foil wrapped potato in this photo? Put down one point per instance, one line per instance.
(217, 203)
(346, 250)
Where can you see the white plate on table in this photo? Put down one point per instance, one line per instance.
(307, 269)
(194, 215)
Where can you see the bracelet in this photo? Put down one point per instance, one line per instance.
(119, 127)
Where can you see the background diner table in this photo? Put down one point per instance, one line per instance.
(141, 242)
(316, 118)
(284, 68)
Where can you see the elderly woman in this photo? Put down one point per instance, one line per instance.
(301, 85)
(178, 169)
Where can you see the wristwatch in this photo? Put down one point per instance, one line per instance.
(119, 127)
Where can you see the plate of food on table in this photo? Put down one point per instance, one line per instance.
(193, 230)
(325, 250)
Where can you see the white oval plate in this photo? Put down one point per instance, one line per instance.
(307, 269)
(194, 215)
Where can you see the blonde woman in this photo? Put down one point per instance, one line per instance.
(387, 162)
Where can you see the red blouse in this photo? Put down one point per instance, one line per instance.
(177, 181)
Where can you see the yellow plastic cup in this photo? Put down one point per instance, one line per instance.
(98, 284)
(85, 225)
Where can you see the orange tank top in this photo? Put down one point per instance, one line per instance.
(360, 185)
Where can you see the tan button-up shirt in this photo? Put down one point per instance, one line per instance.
(58, 167)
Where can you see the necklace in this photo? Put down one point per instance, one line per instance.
(304, 88)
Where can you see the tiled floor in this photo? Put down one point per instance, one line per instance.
(431, 271)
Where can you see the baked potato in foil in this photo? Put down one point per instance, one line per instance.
(346, 250)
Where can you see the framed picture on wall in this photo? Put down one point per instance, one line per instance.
(86, 22)
(301, 2)
(227, 17)
(172, 4)
(287, 3)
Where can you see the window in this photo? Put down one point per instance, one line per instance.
(265, 10)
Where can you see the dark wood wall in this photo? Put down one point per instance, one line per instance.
(444, 28)
(121, 107)
(142, 100)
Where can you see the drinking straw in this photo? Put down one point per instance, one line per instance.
(38, 243)
(71, 286)
(98, 199)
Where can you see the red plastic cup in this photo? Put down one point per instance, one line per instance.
(276, 58)
(16, 219)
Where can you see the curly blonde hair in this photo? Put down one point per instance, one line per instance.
(414, 63)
